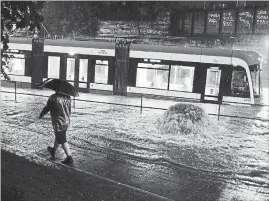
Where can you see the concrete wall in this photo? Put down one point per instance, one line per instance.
(156, 28)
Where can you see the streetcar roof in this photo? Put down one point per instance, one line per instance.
(250, 57)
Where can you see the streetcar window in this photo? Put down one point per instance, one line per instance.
(213, 81)
(181, 78)
(83, 70)
(239, 84)
(101, 72)
(255, 76)
(70, 72)
(152, 75)
(53, 67)
(102, 62)
(16, 63)
(150, 65)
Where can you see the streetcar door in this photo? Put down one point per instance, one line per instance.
(212, 86)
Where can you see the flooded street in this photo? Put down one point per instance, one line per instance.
(232, 148)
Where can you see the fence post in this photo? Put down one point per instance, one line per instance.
(219, 111)
(15, 92)
(141, 103)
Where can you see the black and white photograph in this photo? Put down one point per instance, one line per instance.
(134, 100)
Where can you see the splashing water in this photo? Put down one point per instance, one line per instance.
(190, 138)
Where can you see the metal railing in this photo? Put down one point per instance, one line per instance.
(129, 105)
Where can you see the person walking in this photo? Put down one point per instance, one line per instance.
(59, 106)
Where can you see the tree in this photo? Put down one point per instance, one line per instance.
(17, 15)
(71, 17)
(83, 17)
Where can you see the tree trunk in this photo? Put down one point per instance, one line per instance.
(122, 51)
(37, 58)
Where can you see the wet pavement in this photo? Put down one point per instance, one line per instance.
(101, 152)
(28, 180)
(161, 179)
(157, 181)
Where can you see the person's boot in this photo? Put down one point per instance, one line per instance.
(52, 151)
(68, 160)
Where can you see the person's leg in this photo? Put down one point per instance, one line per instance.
(69, 159)
(56, 144)
(66, 149)
(53, 149)
(62, 140)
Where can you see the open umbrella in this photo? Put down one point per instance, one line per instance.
(59, 85)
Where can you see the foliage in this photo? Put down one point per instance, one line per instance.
(17, 15)
(69, 18)
(132, 10)
(5, 66)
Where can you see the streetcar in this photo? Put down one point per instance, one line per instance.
(205, 74)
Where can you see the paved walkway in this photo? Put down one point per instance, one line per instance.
(175, 183)
(140, 180)
(25, 180)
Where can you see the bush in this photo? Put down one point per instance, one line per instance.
(184, 119)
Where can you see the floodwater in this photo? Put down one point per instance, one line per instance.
(234, 146)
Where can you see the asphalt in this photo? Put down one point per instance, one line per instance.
(98, 175)
(23, 179)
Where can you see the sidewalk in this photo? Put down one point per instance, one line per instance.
(101, 176)
(23, 180)
(156, 177)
